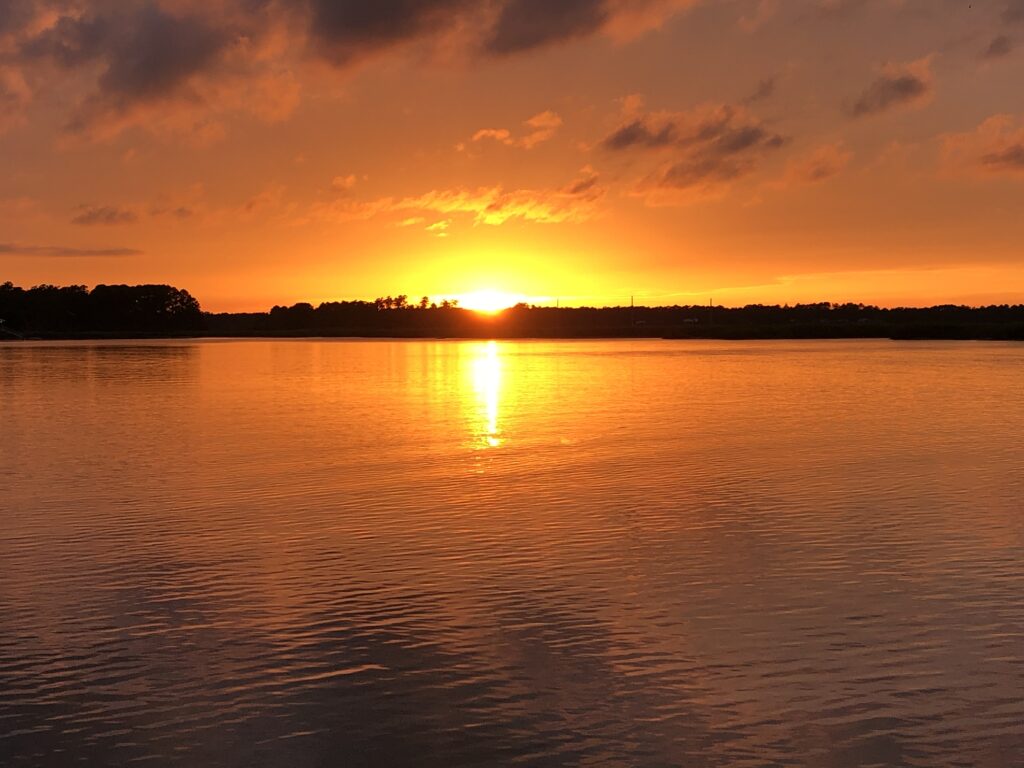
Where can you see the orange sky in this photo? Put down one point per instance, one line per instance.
(260, 151)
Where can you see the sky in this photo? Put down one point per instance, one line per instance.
(261, 152)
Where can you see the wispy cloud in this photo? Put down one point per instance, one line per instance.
(994, 148)
(58, 251)
(898, 85)
(104, 215)
(820, 164)
(493, 206)
(999, 47)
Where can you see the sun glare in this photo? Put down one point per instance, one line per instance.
(489, 302)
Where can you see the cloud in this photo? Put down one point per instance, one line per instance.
(105, 215)
(765, 89)
(15, 15)
(493, 206)
(820, 164)
(183, 68)
(701, 151)
(994, 148)
(344, 184)
(171, 67)
(502, 135)
(899, 85)
(344, 31)
(180, 212)
(144, 55)
(526, 24)
(1013, 13)
(269, 199)
(55, 251)
(645, 132)
(439, 228)
(1000, 46)
(542, 127)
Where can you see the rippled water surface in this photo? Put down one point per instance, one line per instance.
(629, 553)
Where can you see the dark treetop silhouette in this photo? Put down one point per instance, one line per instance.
(122, 311)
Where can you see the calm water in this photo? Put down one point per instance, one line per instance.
(442, 554)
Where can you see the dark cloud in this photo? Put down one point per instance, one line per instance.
(641, 133)
(175, 66)
(142, 55)
(56, 251)
(585, 185)
(70, 42)
(345, 30)
(1009, 158)
(726, 128)
(1000, 46)
(147, 53)
(106, 215)
(708, 146)
(181, 212)
(155, 53)
(894, 88)
(819, 165)
(733, 154)
(1014, 11)
(995, 147)
(14, 14)
(526, 24)
(764, 90)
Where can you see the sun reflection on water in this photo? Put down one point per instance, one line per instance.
(486, 370)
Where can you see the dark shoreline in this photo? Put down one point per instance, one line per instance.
(112, 312)
(392, 336)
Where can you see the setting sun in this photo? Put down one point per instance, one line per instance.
(488, 301)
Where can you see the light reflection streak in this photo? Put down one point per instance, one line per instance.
(486, 371)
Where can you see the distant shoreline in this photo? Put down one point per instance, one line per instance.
(127, 312)
(315, 335)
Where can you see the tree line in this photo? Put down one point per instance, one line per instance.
(48, 311)
(106, 309)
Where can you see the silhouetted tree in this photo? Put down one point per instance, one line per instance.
(162, 309)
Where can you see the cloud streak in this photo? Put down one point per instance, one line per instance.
(58, 251)
(104, 215)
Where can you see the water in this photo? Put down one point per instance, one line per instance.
(628, 553)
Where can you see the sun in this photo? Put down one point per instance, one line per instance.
(489, 302)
